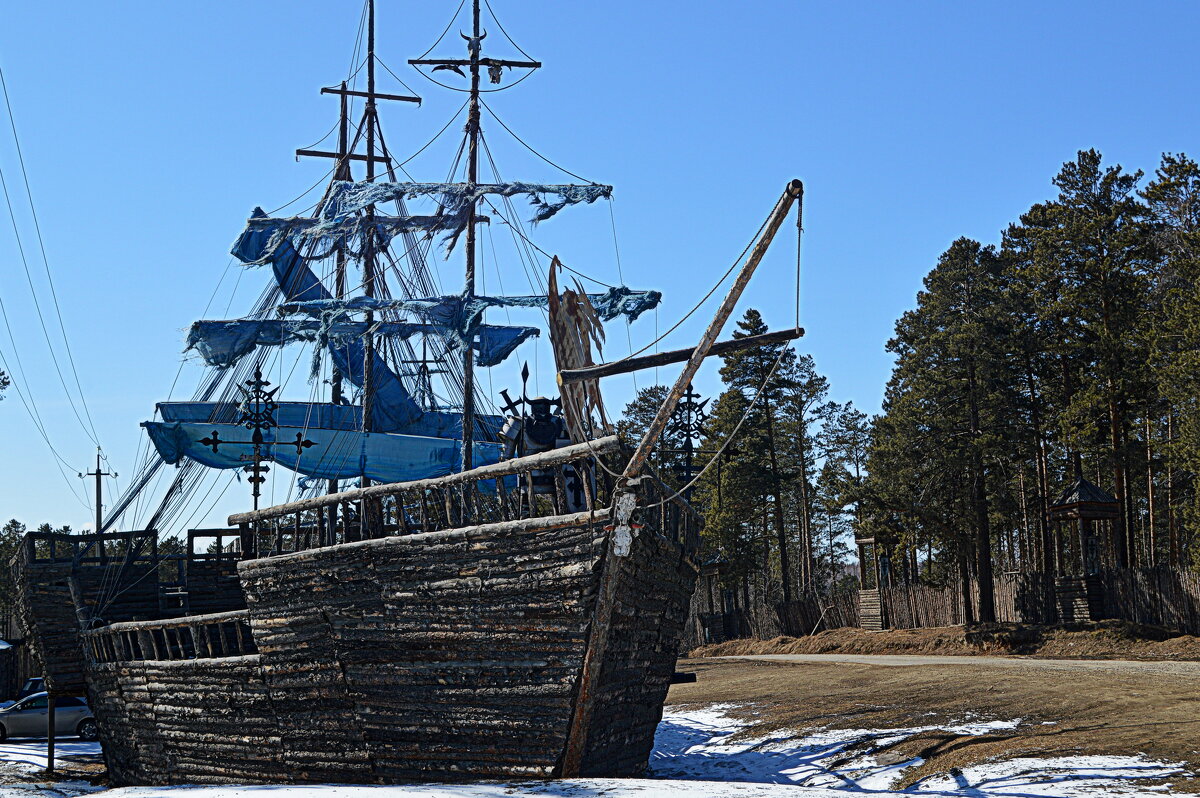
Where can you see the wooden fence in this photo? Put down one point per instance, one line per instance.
(1165, 597)
(813, 612)
(1160, 596)
(1155, 596)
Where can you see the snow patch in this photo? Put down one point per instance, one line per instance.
(699, 744)
(695, 756)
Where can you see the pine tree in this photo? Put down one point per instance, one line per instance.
(765, 372)
(1173, 200)
(1092, 244)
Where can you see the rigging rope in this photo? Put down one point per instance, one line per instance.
(530, 148)
(496, 19)
(449, 25)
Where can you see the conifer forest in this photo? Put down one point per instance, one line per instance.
(1067, 347)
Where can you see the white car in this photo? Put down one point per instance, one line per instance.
(27, 718)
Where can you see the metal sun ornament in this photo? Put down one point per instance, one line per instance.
(687, 422)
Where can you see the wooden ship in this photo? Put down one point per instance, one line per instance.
(498, 597)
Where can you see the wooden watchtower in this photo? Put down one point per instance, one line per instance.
(1079, 557)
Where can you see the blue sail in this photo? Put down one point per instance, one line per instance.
(337, 454)
(392, 408)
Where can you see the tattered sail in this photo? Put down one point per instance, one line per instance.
(574, 327)
(223, 343)
(340, 222)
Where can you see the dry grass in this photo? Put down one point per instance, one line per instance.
(1116, 711)
(1101, 640)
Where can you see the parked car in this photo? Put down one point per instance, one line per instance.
(31, 686)
(27, 718)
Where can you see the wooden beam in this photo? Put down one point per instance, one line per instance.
(675, 356)
(793, 192)
(350, 157)
(352, 93)
(464, 62)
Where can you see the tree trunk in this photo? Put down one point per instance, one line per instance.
(1152, 537)
(777, 489)
(1040, 458)
(983, 535)
(1120, 530)
(964, 581)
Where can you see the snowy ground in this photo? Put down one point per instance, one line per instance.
(697, 756)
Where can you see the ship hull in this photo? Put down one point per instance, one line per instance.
(441, 656)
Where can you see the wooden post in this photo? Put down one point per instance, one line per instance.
(624, 502)
(50, 733)
(793, 192)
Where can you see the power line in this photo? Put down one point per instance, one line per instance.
(31, 410)
(46, 265)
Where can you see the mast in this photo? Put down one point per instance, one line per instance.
(473, 61)
(368, 266)
(474, 46)
(341, 172)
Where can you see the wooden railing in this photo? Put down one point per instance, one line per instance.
(557, 482)
(222, 634)
(90, 549)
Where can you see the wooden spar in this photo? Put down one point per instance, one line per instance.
(350, 157)
(623, 505)
(793, 192)
(482, 61)
(516, 465)
(378, 95)
(675, 356)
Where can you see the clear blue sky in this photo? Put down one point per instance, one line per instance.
(151, 129)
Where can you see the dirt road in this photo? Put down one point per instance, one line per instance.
(1066, 706)
(1190, 670)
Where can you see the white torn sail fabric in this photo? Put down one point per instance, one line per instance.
(224, 343)
(340, 223)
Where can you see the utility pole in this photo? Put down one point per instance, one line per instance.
(98, 474)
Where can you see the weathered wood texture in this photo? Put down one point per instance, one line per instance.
(654, 588)
(201, 721)
(444, 656)
(46, 606)
(213, 586)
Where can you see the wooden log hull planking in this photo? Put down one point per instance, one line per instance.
(444, 656)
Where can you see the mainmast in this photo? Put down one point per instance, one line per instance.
(474, 45)
(368, 266)
(369, 126)
(473, 62)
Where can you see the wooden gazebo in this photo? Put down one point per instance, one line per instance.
(1079, 558)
